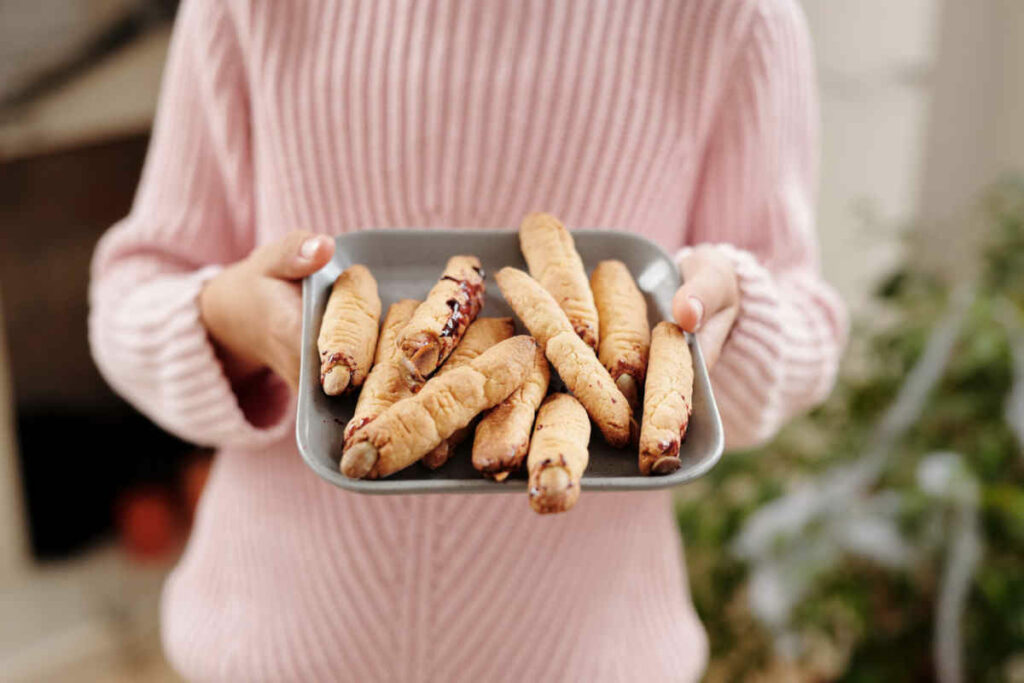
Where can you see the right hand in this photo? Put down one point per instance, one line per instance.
(252, 309)
(708, 303)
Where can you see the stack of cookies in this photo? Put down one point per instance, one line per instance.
(435, 367)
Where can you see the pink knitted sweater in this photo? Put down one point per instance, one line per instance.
(687, 121)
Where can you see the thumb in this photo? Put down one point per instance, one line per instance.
(295, 256)
(709, 287)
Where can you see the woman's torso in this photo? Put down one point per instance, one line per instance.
(376, 114)
(287, 578)
(372, 114)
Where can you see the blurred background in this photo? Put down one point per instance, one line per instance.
(881, 538)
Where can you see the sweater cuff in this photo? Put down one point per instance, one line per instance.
(165, 362)
(747, 378)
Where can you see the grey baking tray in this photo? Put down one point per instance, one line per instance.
(406, 263)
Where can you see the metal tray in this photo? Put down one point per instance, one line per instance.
(406, 263)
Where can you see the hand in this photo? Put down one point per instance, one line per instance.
(252, 309)
(709, 300)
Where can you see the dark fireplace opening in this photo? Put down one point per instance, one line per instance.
(76, 466)
(91, 466)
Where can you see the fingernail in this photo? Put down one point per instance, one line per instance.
(699, 307)
(309, 247)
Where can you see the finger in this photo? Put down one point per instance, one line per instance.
(297, 255)
(713, 335)
(708, 288)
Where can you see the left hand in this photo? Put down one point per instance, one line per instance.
(709, 300)
(252, 309)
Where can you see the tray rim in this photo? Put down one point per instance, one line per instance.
(638, 482)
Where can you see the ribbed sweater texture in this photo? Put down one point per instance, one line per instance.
(687, 121)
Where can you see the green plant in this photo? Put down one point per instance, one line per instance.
(864, 615)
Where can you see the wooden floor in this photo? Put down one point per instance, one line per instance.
(94, 617)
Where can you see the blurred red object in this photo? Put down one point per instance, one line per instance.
(149, 523)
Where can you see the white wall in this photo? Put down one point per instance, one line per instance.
(922, 106)
(873, 58)
(1009, 110)
(976, 131)
(34, 34)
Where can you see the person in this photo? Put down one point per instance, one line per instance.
(281, 124)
